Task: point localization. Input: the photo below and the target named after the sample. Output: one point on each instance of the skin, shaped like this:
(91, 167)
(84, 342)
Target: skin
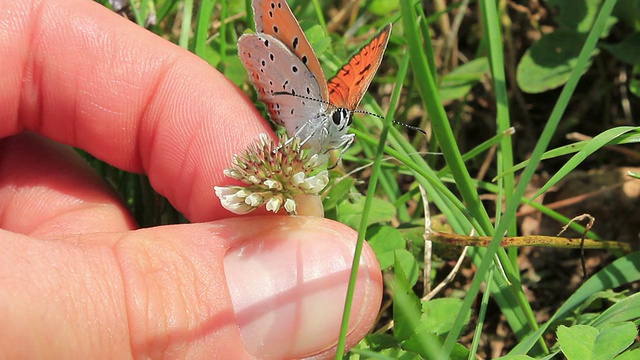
(78, 279)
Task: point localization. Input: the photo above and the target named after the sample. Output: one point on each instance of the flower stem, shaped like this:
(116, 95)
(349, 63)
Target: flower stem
(531, 240)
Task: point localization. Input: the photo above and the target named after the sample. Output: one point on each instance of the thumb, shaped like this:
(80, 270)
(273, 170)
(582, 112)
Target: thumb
(267, 287)
(289, 285)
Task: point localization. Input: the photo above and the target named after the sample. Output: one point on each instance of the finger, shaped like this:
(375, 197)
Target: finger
(48, 191)
(268, 287)
(81, 75)
(289, 287)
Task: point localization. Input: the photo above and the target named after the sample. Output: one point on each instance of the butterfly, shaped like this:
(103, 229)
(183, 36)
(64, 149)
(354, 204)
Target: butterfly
(289, 79)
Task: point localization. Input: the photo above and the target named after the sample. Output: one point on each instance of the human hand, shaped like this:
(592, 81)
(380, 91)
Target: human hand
(77, 280)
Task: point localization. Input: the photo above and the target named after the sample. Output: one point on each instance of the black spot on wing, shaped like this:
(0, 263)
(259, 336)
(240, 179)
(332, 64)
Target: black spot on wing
(366, 69)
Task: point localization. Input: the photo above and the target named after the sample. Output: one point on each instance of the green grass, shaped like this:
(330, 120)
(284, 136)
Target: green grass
(409, 84)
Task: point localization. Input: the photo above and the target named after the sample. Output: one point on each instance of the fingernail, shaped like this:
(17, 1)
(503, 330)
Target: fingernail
(288, 287)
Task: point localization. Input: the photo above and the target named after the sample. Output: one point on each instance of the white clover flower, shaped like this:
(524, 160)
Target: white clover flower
(318, 160)
(298, 179)
(254, 200)
(316, 183)
(231, 201)
(274, 204)
(290, 206)
(275, 174)
(272, 184)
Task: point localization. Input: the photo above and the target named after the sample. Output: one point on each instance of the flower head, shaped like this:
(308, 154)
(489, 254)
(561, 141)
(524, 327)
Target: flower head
(275, 174)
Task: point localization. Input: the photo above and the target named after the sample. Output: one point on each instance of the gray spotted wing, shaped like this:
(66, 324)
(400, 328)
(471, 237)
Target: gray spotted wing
(278, 75)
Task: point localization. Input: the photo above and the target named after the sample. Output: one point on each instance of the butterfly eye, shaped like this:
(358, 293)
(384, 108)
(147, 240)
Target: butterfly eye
(336, 117)
(341, 118)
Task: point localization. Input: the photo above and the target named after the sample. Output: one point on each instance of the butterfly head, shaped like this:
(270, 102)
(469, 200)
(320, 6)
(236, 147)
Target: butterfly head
(341, 118)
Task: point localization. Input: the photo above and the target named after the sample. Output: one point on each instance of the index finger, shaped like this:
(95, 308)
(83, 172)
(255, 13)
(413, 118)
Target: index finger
(79, 74)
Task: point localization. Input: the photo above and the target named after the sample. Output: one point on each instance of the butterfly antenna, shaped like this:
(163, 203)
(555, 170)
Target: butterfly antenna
(410, 127)
(368, 113)
(393, 121)
(303, 97)
(353, 111)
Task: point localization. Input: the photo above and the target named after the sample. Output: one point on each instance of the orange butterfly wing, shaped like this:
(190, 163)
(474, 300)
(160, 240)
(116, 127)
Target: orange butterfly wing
(288, 30)
(347, 88)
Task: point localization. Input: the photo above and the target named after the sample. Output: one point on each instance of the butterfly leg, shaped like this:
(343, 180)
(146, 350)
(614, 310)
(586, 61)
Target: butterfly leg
(304, 141)
(297, 135)
(305, 136)
(281, 145)
(347, 140)
(289, 142)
